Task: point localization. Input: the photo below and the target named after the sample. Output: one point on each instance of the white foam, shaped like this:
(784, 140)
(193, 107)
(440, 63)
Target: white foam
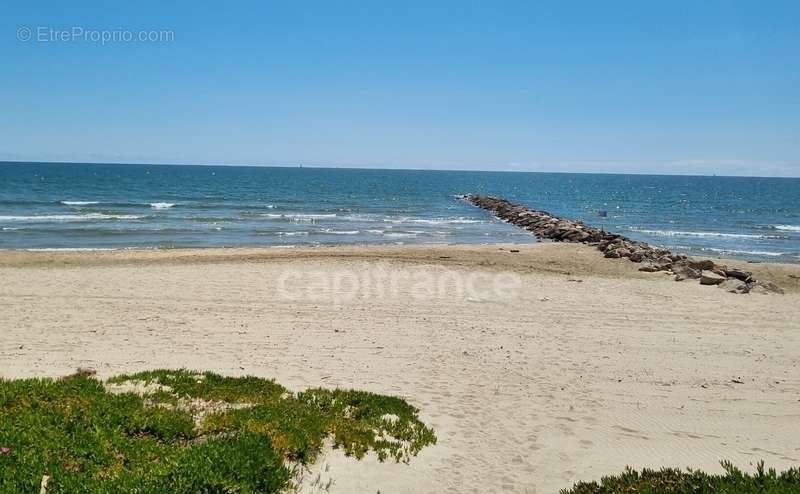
(71, 249)
(341, 232)
(78, 203)
(362, 217)
(399, 235)
(300, 216)
(434, 221)
(161, 205)
(746, 252)
(48, 218)
(673, 233)
(292, 234)
(787, 228)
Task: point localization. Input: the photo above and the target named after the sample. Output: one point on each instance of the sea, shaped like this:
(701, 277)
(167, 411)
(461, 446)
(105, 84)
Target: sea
(78, 206)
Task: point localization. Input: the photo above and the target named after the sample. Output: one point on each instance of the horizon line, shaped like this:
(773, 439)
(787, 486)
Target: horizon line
(388, 168)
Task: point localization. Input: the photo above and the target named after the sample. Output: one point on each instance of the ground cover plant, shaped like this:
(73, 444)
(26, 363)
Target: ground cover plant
(181, 431)
(673, 481)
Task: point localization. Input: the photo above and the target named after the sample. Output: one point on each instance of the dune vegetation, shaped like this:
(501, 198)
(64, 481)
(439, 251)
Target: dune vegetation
(182, 431)
(674, 481)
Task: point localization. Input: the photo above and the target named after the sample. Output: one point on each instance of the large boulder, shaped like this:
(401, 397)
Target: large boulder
(664, 261)
(637, 256)
(684, 271)
(720, 271)
(739, 274)
(702, 264)
(733, 285)
(711, 278)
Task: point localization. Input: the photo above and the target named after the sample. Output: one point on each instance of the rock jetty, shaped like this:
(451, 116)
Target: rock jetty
(653, 259)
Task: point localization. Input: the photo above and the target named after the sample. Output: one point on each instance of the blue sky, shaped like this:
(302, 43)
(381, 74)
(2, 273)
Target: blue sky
(645, 87)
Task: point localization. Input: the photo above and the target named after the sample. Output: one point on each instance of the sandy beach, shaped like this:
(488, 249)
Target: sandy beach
(536, 365)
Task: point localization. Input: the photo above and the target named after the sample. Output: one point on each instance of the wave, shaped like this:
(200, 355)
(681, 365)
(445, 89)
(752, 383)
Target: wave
(745, 252)
(71, 249)
(299, 217)
(341, 232)
(673, 233)
(787, 228)
(153, 205)
(434, 221)
(49, 218)
(79, 203)
(302, 215)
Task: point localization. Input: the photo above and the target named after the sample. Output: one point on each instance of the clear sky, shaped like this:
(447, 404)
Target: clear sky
(698, 87)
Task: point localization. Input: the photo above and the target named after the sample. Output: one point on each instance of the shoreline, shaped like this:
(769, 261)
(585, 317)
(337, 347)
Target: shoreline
(534, 241)
(528, 387)
(542, 256)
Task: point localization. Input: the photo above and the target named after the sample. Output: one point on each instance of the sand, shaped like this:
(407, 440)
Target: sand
(536, 368)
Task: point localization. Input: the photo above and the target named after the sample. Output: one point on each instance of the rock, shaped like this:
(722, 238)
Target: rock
(764, 287)
(711, 278)
(685, 271)
(739, 274)
(702, 264)
(664, 261)
(581, 236)
(746, 287)
(548, 226)
(732, 285)
(637, 256)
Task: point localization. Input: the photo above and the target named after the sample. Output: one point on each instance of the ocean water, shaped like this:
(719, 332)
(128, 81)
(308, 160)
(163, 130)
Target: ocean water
(98, 206)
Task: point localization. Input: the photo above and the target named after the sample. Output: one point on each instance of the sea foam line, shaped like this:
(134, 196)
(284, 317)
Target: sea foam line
(70, 217)
(746, 252)
(674, 233)
(79, 203)
(300, 216)
(787, 228)
(72, 249)
(434, 221)
(154, 205)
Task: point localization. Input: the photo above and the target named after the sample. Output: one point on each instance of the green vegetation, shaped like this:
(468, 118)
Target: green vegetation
(186, 432)
(672, 481)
